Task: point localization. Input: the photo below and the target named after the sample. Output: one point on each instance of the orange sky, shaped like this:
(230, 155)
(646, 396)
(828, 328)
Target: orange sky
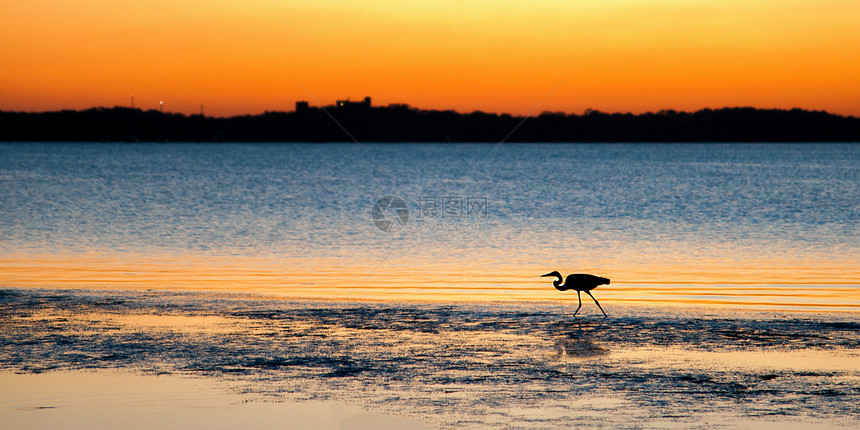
(496, 56)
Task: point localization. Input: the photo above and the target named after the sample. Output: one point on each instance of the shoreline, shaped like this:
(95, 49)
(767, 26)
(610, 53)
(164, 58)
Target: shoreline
(562, 299)
(372, 124)
(106, 399)
(119, 359)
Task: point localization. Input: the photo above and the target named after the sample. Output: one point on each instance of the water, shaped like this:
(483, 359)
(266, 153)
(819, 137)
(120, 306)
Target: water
(735, 272)
(738, 224)
(450, 364)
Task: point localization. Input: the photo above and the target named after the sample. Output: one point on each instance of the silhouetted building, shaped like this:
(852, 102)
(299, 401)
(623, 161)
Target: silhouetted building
(354, 105)
(301, 106)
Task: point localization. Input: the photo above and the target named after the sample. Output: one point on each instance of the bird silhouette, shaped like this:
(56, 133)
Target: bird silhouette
(579, 282)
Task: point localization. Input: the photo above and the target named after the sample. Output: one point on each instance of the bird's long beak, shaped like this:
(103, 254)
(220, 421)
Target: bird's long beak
(548, 274)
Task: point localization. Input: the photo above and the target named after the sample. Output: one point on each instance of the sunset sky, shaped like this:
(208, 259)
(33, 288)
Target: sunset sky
(496, 56)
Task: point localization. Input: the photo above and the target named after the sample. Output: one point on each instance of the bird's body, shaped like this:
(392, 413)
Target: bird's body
(579, 282)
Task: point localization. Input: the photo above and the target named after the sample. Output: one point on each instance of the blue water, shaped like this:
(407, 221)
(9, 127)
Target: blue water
(713, 225)
(641, 214)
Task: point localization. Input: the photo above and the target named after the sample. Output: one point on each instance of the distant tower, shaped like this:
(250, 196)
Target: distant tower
(161, 106)
(367, 102)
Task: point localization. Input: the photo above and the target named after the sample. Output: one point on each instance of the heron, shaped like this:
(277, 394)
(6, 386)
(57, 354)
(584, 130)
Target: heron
(579, 282)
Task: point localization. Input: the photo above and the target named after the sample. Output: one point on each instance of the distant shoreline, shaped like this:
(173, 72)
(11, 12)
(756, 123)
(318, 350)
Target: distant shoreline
(401, 123)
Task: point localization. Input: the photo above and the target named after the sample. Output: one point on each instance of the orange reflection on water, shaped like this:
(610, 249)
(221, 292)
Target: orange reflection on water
(771, 360)
(810, 286)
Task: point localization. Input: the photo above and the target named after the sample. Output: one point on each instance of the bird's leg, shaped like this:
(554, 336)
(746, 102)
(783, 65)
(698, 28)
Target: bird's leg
(595, 301)
(580, 302)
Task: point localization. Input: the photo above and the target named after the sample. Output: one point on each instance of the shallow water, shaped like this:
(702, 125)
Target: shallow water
(459, 365)
(750, 225)
(111, 399)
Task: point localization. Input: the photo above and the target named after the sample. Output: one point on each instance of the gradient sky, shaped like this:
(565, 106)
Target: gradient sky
(496, 56)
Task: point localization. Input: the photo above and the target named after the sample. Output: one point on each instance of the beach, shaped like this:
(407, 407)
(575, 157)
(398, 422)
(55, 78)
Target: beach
(115, 399)
(104, 359)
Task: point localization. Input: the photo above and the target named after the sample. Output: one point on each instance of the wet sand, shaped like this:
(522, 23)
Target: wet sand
(160, 359)
(107, 400)
(124, 400)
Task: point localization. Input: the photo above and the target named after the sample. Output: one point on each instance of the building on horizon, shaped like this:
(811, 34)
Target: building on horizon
(348, 104)
(301, 106)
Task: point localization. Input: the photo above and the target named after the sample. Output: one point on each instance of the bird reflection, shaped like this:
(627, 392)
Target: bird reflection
(579, 343)
(579, 348)
(579, 282)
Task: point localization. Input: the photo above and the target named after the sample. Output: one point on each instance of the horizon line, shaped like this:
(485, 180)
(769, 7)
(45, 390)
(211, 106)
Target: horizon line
(586, 112)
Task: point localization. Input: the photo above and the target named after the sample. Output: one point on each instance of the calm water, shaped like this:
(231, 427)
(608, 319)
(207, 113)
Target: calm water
(748, 226)
(721, 224)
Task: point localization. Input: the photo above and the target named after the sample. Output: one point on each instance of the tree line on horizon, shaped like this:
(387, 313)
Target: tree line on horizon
(402, 123)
